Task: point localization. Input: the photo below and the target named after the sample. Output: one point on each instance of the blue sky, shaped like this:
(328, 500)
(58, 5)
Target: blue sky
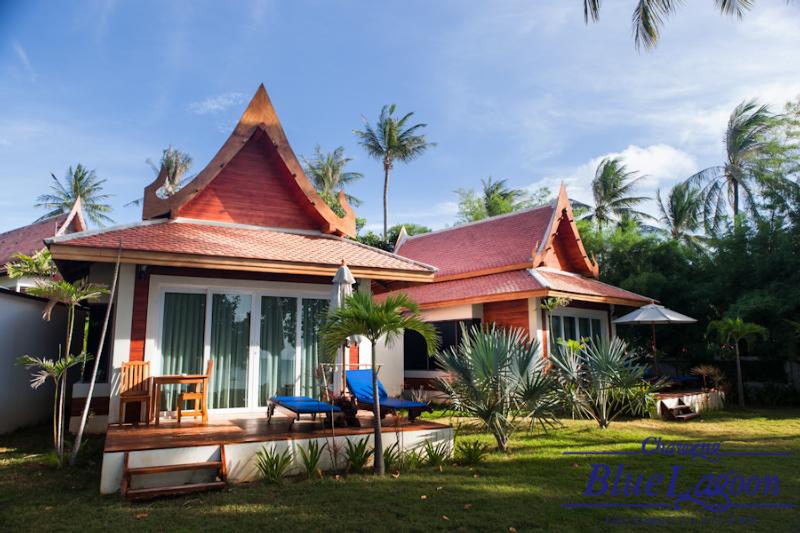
(521, 90)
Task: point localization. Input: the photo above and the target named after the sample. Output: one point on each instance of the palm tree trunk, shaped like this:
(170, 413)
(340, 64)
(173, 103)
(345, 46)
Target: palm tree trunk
(387, 167)
(376, 412)
(735, 201)
(739, 381)
(85, 415)
(62, 394)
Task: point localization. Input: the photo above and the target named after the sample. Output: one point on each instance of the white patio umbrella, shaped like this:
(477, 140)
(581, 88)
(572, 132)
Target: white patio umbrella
(342, 289)
(654, 314)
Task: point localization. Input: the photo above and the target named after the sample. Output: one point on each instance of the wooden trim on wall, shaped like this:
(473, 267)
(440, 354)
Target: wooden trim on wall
(533, 294)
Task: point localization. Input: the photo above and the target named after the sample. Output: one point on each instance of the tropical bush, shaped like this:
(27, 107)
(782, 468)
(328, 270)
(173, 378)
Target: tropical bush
(498, 375)
(392, 457)
(273, 465)
(357, 454)
(471, 452)
(436, 454)
(600, 379)
(310, 457)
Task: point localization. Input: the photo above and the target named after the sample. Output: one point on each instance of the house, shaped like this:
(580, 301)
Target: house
(236, 266)
(500, 270)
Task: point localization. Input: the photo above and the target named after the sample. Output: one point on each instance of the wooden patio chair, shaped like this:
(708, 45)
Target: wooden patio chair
(135, 387)
(199, 396)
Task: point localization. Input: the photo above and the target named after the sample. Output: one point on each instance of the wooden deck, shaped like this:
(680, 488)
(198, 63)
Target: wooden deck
(240, 429)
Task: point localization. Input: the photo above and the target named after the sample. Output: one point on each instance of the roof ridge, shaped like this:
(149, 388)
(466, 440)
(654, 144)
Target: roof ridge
(483, 221)
(98, 231)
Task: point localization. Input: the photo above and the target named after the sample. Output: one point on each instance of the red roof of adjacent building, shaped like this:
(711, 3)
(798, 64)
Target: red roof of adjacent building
(28, 239)
(488, 244)
(215, 240)
(537, 252)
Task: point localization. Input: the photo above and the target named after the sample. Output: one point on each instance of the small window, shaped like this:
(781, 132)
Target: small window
(415, 353)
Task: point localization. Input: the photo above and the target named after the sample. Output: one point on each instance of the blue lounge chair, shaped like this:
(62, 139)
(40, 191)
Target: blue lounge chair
(360, 384)
(302, 405)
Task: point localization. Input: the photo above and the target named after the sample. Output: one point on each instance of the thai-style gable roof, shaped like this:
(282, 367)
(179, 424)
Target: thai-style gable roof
(255, 178)
(533, 253)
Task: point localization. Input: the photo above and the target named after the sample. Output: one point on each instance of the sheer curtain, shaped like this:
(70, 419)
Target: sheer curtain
(277, 350)
(314, 313)
(181, 339)
(230, 342)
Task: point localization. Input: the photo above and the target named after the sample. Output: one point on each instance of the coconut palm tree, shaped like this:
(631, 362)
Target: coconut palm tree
(361, 315)
(649, 16)
(326, 170)
(390, 140)
(747, 145)
(82, 183)
(496, 198)
(681, 212)
(611, 188)
(177, 163)
(734, 331)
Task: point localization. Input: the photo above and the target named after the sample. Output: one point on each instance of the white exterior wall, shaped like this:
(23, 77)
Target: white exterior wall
(120, 352)
(24, 332)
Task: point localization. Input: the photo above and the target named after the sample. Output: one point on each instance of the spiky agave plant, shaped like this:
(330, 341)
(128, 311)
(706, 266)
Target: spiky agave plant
(600, 379)
(496, 376)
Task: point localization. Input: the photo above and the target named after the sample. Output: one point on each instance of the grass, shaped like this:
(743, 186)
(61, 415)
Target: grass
(522, 490)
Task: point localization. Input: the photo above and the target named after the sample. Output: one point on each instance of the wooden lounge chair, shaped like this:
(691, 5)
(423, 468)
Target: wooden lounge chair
(359, 382)
(134, 387)
(199, 396)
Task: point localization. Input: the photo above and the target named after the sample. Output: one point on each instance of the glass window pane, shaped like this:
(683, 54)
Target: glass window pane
(583, 328)
(182, 333)
(230, 345)
(277, 351)
(555, 331)
(570, 331)
(597, 329)
(314, 313)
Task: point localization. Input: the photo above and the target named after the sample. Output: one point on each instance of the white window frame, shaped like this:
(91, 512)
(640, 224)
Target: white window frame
(160, 285)
(577, 312)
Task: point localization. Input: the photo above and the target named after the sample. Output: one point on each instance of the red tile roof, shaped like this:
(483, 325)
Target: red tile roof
(507, 284)
(225, 241)
(28, 239)
(492, 243)
(464, 289)
(574, 283)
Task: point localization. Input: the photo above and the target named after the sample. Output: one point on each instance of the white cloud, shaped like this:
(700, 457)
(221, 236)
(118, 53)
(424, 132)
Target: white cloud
(22, 55)
(660, 166)
(217, 104)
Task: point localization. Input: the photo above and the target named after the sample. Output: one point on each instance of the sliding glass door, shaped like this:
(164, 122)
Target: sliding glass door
(182, 338)
(230, 347)
(277, 347)
(262, 345)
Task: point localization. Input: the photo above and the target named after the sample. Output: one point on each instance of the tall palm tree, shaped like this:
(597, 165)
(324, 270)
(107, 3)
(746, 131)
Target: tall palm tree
(495, 198)
(611, 188)
(649, 16)
(82, 183)
(361, 315)
(390, 140)
(326, 170)
(734, 331)
(681, 212)
(747, 145)
(177, 164)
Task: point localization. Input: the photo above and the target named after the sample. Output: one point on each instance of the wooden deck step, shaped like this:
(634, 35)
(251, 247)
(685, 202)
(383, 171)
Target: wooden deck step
(144, 470)
(173, 490)
(686, 416)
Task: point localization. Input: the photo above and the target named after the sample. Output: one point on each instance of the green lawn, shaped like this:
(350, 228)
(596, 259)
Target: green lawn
(523, 490)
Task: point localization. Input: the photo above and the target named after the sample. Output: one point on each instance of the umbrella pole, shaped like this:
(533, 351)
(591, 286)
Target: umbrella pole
(655, 354)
